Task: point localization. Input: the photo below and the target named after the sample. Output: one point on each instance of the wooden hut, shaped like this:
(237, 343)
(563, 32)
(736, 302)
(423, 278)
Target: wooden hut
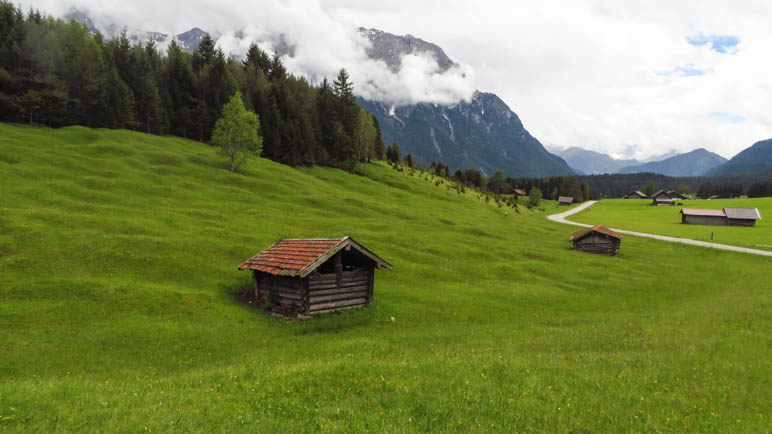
(518, 192)
(742, 216)
(563, 200)
(676, 195)
(635, 195)
(721, 217)
(661, 198)
(598, 239)
(315, 275)
(714, 217)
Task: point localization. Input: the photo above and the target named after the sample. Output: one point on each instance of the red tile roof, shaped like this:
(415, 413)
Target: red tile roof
(597, 228)
(703, 212)
(290, 257)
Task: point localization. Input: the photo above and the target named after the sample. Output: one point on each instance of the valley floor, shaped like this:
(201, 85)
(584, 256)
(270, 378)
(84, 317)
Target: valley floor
(118, 256)
(561, 218)
(639, 215)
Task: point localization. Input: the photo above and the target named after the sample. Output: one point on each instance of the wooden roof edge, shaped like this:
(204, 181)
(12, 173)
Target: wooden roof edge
(346, 241)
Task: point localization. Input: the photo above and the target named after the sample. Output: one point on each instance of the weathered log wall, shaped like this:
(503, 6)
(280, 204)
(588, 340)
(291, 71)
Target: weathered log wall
(324, 293)
(598, 244)
(283, 290)
(704, 220)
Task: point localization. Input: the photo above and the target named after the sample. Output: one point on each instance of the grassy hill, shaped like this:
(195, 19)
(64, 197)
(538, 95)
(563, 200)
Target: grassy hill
(640, 216)
(118, 256)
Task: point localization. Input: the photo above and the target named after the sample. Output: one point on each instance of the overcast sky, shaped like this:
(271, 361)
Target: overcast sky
(629, 78)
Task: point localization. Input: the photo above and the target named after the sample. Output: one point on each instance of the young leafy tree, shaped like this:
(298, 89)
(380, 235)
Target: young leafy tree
(236, 132)
(534, 196)
(364, 138)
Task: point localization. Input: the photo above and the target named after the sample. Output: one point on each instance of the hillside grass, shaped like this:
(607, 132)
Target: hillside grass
(118, 264)
(638, 215)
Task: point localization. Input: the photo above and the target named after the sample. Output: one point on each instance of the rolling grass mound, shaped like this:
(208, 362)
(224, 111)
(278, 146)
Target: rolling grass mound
(118, 257)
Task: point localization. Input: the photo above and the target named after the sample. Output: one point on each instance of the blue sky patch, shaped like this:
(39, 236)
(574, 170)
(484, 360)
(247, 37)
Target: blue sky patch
(719, 43)
(729, 118)
(689, 71)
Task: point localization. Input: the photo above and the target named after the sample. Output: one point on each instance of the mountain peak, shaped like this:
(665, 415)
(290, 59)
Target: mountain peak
(391, 48)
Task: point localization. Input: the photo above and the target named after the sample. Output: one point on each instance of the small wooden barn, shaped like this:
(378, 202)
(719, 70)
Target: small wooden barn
(677, 196)
(315, 275)
(635, 195)
(563, 200)
(742, 216)
(721, 217)
(518, 192)
(661, 198)
(597, 239)
(714, 217)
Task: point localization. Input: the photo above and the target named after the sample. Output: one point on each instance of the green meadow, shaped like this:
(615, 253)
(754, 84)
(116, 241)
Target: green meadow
(118, 265)
(638, 215)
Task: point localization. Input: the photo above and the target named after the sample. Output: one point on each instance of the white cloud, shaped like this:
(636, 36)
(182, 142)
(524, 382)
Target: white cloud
(600, 74)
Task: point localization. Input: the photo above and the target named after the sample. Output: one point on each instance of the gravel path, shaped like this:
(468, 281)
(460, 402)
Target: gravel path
(561, 218)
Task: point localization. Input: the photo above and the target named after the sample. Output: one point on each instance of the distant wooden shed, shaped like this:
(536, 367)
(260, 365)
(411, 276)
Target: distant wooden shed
(563, 200)
(721, 217)
(742, 216)
(714, 217)
(636, 195)
(661, 198)
(597, 239)
(677, 196)
(519, 192)
(316, 275)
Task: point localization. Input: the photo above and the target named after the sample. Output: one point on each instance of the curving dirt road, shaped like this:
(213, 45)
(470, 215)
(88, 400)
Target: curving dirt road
(561, 218)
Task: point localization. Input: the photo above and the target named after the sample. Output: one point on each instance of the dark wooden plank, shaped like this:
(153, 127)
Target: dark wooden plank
(338, 290)
(289, 295)
(306, 297)
(334, 285)
(338, 308)
(333, 277)
(338, 304)
(336, 297)
(371, 285)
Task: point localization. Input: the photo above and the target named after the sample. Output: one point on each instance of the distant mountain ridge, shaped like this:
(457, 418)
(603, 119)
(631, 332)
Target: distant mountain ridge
(188, 41)
(694, 163)
(483, 133)
(593, 163)
(756, 158)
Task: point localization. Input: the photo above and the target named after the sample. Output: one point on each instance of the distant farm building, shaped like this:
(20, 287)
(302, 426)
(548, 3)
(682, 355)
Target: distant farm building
(315, 275)
(519, 192)
(661, 198)
(598, 239)
(721, 217)
(635, 195)
(676, 195)
(562, 200)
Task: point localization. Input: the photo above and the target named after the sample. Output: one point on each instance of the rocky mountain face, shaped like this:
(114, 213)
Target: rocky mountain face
(391, 48)
(591, 162)
(482, 133)
(694, 163)
(757, 158)
(188, 41)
